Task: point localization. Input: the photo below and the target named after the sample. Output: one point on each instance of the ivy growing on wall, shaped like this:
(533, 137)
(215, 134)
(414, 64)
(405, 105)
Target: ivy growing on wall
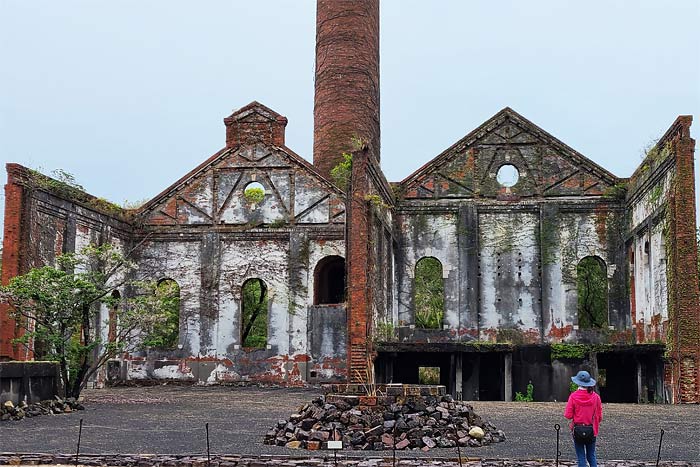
(569, 351)
(342, 172)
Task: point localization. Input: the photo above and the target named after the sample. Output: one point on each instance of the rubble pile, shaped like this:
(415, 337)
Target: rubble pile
(408, 421)
(10, 411)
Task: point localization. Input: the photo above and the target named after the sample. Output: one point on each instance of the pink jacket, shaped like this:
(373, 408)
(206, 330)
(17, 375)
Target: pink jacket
(584, 406)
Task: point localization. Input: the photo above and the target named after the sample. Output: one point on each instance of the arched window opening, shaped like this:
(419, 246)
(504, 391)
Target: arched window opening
(592, 287)
(329, 281)
(429, 294)
(166, 333)
(254, 314)
(113, 308)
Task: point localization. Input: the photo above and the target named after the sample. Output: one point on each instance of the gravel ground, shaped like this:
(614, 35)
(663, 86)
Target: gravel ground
(171, 419)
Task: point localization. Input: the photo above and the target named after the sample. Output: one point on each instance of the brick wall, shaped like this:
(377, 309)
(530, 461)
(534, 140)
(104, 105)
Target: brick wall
(346, 102)
(14, 195)
(684, 295)
(369, 205)
(255, 123)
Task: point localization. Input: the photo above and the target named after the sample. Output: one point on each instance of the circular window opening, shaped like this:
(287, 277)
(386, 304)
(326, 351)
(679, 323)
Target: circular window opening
(507, 175)
(254, 192)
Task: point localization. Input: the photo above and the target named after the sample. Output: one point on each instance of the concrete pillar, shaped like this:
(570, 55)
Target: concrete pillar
(508, 377)
(458, 376)
(639, 381)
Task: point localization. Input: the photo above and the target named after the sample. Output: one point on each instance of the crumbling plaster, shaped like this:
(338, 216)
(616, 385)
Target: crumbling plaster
(513, 255)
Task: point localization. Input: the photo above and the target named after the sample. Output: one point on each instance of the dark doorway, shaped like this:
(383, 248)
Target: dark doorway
(652, 378)
(406, 367)
(617, 377)
(491, 380)
(329, 281)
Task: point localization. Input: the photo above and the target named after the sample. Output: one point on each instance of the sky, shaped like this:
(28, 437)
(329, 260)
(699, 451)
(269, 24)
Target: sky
(128, 96)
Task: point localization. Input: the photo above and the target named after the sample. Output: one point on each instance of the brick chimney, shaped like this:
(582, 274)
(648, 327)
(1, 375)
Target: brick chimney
(255, 123)
(346, 101)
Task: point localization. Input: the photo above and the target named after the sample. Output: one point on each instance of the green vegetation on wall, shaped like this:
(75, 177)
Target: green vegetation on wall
(592, 287)
(549, 240)
(165, 335)
(254, 314)
(569, 351)
(384, 331)
(429, 375)
(254, 195)
(342, 172)
(429, 294)
(64, 185)
(616, 192)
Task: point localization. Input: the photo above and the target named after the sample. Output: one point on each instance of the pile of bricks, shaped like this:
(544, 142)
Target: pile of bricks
(403, 417)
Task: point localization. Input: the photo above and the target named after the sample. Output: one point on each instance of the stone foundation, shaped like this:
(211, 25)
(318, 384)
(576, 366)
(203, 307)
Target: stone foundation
(8, 458)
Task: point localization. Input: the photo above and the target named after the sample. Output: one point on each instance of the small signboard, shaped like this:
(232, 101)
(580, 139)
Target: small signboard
(335, 445)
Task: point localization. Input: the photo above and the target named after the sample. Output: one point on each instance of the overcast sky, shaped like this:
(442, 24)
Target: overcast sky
(130, 95)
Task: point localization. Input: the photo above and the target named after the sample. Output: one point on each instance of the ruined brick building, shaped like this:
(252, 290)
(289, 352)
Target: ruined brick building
(508, 215)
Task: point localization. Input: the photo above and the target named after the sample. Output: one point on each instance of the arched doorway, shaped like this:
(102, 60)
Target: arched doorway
(329, 281)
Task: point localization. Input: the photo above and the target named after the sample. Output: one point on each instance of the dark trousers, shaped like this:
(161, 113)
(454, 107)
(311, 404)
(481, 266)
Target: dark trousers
(586, 452)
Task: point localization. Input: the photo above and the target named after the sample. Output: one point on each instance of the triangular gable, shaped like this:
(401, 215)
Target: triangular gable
(545, 165)
(214, 192)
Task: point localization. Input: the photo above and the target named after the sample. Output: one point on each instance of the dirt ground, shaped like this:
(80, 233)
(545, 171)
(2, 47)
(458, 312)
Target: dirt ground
(171, 420)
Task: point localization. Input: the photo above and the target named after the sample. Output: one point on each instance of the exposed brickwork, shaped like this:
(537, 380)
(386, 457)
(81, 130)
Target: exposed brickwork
(255, 123)
(366, 266)
(346, 103)
(359, 294)
(14, 194)
(684, 297)
(508, 254)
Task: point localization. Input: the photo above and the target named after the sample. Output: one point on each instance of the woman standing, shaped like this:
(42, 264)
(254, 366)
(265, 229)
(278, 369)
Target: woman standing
(584, 408)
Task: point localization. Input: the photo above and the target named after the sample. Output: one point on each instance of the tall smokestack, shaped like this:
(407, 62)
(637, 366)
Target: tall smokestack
(346, 101)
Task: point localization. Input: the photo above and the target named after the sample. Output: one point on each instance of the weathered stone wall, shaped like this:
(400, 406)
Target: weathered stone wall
(28, 381)
(662, 245)
(210, 327)
(509, 253)
(209, 237)
(45, 218)
(647, 248)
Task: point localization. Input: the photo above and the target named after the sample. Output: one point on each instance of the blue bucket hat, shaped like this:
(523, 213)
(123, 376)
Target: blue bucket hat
(583, 379)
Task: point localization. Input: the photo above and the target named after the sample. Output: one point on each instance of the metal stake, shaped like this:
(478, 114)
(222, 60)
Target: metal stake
(459, 455)
(557, 427)
(393, 443)
(206, 426)
(80, 434)
(658, 456)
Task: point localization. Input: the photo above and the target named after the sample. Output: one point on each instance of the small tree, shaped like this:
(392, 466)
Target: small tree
(57, 308)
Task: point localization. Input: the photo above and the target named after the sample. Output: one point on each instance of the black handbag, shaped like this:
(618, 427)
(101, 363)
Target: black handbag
(584, 433)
